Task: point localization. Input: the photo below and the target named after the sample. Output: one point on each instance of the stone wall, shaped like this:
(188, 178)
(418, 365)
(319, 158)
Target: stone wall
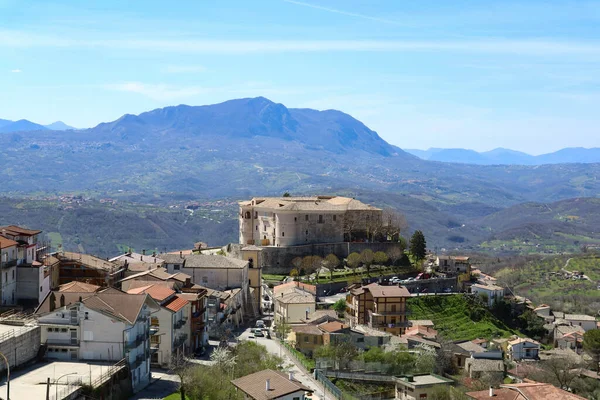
(278, 260)
(20, 345)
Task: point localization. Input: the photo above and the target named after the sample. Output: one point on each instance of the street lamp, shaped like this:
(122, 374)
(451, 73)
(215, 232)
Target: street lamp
(7, 377)
(56, 383)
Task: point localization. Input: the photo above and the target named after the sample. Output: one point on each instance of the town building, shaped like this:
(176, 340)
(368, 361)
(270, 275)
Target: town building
(271, 385)
(379, 307)
(523, 349)
(420, 386)
(8, 270)
(293, 221)
(103, 326)
(293, 306)
(453, 265)
(87, 268)
(587, 322)
(492, 371)
(492, 293)
(524, 391)
(134, 262)
(172, 322)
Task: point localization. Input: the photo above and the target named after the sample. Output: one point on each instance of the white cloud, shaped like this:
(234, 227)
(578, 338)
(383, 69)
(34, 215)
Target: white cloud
(184, 69)
(526, 47)
(16, 71)
(158, 91)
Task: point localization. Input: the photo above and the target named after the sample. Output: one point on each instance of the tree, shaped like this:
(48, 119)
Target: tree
(353, 261)
(180, 367)
(297, 263)
(367, 257)
(418, 246)
(395, 254)
(282, 330)
(331, 262)
(426, 360)
(316, 263)
(287, 194)
(394, 224)
(591, 344)
(294, 273)
(380, 258)
(561, 370)
(340, 306)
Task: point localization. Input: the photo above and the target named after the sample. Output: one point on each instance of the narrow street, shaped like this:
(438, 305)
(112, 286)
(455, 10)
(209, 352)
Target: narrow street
(275, 348)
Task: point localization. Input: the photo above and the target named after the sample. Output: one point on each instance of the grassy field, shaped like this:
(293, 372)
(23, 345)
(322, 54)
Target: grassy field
(539, 282)
(175, 396)
(457, 318)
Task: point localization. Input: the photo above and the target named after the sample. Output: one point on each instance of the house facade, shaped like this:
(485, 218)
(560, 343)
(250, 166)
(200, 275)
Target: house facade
(8, 270)
(523, 349)
(493, 293)
(293, 221)
(103, 326)
(420, 386)
(453, 265)
(379, 307)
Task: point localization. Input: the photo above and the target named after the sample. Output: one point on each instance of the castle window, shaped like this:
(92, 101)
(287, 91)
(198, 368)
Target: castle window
(282, 233)
(256, 227)
(295, 219)
(307, 233)
(247, 214)
(334, 217)
(306, 217)
(255, 214)
(320, 219)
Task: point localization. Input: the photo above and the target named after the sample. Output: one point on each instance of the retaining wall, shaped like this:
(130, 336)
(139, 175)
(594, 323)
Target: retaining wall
(20, 345)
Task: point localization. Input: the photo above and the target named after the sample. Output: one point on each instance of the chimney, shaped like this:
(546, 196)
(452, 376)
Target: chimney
(491, 391)
(181, 254)
(268, 385)
(291, 376)
(144, 252)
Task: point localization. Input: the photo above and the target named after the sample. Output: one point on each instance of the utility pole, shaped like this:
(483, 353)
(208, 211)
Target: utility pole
(48, 389)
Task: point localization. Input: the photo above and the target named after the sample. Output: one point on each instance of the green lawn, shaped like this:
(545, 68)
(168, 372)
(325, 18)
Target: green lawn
(457, 318)
(175, 396)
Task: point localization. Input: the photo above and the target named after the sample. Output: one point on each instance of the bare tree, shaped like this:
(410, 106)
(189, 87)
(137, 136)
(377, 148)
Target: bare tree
(394, 224)
(180, 366)
(395, 254)
(562, 370)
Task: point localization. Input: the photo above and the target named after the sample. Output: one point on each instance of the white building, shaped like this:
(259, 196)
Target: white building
(293, 305)
(171, 321)
(523, 349)
(420, 386)
(293, 221)
(587, 322)
(109, 325)
(8, 270)
(492, 292)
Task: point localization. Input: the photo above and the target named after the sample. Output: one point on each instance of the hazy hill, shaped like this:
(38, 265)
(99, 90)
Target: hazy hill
(508, 157)
(21, 125)
(58, 126)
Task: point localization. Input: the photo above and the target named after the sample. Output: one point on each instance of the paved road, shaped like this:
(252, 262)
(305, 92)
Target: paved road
(274, 347)
(163, 385)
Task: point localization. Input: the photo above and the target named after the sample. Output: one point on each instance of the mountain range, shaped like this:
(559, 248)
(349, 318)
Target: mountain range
(255, 147)
(23, 125)
(501, 156)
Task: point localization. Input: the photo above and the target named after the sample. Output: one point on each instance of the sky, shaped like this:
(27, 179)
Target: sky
(480, 74)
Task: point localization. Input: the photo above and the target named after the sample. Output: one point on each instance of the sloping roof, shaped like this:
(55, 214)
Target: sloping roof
(254, 385)
(483, 365)
(378, 290)
(213, 261)
(579, 317)
(471, 347)
(15, 230)
(421, 322)
(172, 258)
(138, 258)
(314, 203)
(79, 287)
(296, 297)
(487, 287)
(6, 242)
(176, 303)
(292, 286)
(499, 394)
(423, 331)
(322, 314)
(333, 326)
(522, 340)
(117, 304)
(541, 391)
(308, 329)
(157, 292)
(87, 260)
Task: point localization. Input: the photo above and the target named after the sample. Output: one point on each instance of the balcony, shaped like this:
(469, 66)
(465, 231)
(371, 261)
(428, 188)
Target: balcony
(153, 348)
(63, 342)
(154, 329)
(179, 324)
(8, 264)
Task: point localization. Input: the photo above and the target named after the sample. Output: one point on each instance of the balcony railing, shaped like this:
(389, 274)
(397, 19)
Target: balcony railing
(154, 329)
(153, 348)
(8, 264)
(62, 342)
(179, 324)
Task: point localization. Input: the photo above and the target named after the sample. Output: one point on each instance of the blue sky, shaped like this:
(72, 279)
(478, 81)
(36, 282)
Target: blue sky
(473, 74)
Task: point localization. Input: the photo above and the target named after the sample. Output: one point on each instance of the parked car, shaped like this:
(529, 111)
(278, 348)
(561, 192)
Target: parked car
(258, 333)
(260, 323)
(448, 290)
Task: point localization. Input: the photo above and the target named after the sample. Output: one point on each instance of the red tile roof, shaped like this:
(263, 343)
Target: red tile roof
(157, 292)
(6, 242)
(176, 303)
(333, 326)
(18, 231)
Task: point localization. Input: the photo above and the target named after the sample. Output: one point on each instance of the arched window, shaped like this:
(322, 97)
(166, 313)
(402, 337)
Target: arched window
(247, 215)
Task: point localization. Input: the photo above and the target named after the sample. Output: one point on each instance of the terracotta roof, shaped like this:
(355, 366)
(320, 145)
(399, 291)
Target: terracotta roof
(297, 297)
(6, 242)
(176, 303)
(79, 287)
(157, 292)
(322, 315)
(18, 231)
(333, 326)
(292, 286)
(424, 331)
(378, 290)
(499, 394)
(254, 385)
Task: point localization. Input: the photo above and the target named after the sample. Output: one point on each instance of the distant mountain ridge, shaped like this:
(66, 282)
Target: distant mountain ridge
(502, 156)
(23, 125)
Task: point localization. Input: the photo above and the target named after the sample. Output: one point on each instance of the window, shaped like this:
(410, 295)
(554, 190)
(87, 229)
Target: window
(5, 276)
(13, 273)
(282, 233)
(49, 329)
(295, 219)
(320, 219)
(306, 217)
(256, 227)
(307, 232)
(305, 339)
(265, 228)
(335, 217)
(256, 214)
(176, 267)
(315, 340)
(360, 340)
(63, 330)
(205, 279)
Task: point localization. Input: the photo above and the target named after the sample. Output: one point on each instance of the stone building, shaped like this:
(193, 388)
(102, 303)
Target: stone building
(294, 221)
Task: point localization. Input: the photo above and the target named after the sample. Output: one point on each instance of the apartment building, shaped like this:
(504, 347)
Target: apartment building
(379, 307)
(8, 270)
(293, 221)
(171, 321)
(106, 326)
